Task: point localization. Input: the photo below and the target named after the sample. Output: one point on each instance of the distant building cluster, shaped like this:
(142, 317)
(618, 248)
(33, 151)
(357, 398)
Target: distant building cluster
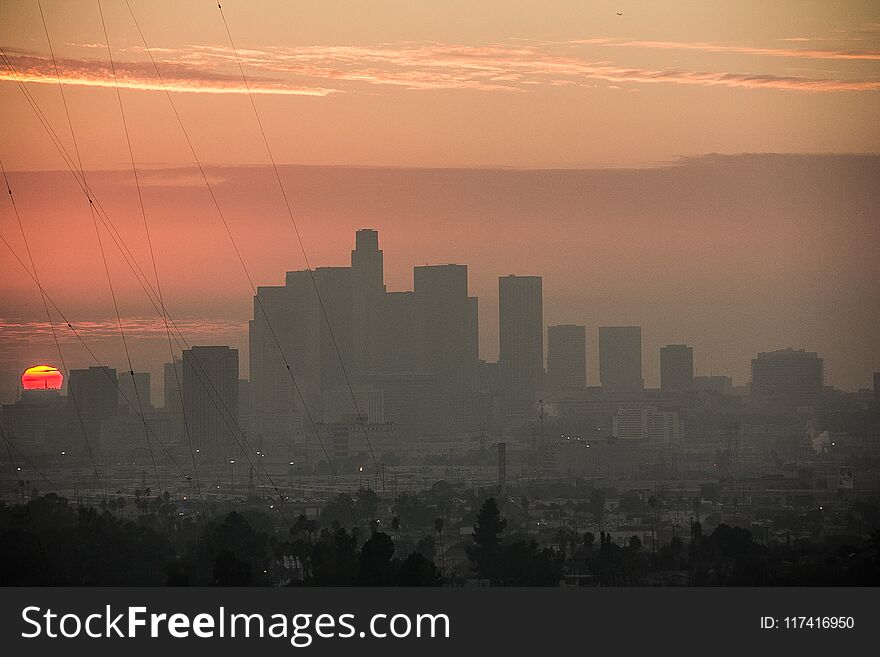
(340, 366)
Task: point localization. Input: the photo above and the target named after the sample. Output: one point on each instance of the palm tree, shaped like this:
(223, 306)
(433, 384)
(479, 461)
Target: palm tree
(652, 501)
(395, 526)
(438, 526)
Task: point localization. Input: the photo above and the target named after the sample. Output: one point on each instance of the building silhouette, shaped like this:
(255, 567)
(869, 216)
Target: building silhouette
(647, 424)
(718, 383)
(134, 392)
(367, 291)
(521, 337)
(416, 352)
(787, 376)
(92, 397)
(676, 368)
(567, 356)
(474, 339)
(35, 420)
(172, 376)
(442, 323)
(620, 358)
(210, 398)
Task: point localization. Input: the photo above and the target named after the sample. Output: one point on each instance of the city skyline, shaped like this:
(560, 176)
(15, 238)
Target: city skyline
(520, 316)
(393, 294)
(741, 127)
(102, 335)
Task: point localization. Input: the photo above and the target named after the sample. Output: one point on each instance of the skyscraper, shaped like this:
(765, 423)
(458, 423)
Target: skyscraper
(676, 368)
(92, 396)
(367, 292)
(567, 356)
(521, 333)
(172, 375)
(787, 375)
(620, 358)
(134, 390)
(473, 337)
(386, 340)
(210, 397)
(275, 403)
(442, 333)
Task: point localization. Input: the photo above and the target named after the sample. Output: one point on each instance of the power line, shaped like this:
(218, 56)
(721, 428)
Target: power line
(235, 247)
(100, 246)
(35, 275)
(290, 214)
(91, 353)
(132, 263)
(149, 243)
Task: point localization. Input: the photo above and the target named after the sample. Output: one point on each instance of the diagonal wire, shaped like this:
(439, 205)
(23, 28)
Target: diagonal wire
(302, 247)
(100, 245)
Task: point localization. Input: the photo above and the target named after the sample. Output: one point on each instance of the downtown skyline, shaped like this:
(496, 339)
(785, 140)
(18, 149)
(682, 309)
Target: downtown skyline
(573, 294)
(742, 131)
(102, 336)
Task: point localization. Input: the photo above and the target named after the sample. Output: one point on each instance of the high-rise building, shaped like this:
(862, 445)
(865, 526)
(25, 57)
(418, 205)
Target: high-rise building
(567, 356)
(172, 377)
(134, 392)
(366, 405)
(787, 376)
(620, 358)
(442, 325)
(647, 424)
(336, 327)
(244, 406)
(676, 368)
(717, 383)
(210, 398)
(368, 290)
(276, 404)
(521, 333)
(92, 396)
(396, 342)
(474, 328)
(36, 420)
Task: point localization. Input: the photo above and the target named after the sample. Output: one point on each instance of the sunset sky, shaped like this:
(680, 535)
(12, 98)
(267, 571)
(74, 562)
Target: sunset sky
(604, 152)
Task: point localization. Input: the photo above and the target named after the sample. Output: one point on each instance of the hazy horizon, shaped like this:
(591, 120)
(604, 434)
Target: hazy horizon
(705, 170)
(731, 254)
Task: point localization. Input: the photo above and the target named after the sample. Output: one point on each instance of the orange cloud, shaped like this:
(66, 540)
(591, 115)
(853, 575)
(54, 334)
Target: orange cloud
(24, 331)
(137, 75)
(417, 66)
(803, 53)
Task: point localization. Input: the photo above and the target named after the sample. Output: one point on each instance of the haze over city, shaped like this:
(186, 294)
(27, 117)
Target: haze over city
(439, 294)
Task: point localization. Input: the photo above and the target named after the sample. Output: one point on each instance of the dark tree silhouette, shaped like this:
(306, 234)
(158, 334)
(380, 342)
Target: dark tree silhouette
(484, 553)
(377, 563)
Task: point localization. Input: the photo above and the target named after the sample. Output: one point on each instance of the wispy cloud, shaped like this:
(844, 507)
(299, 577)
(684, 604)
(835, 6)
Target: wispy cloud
(177, 76)
(795, 53)
(322, 70)
(35, 332)
(492, 67)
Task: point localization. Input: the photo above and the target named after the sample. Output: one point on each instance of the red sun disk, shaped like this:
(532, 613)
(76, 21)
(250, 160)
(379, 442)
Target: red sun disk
(42, 377)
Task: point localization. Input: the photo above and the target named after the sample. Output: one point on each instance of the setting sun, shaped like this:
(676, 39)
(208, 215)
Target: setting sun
(41, 377)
